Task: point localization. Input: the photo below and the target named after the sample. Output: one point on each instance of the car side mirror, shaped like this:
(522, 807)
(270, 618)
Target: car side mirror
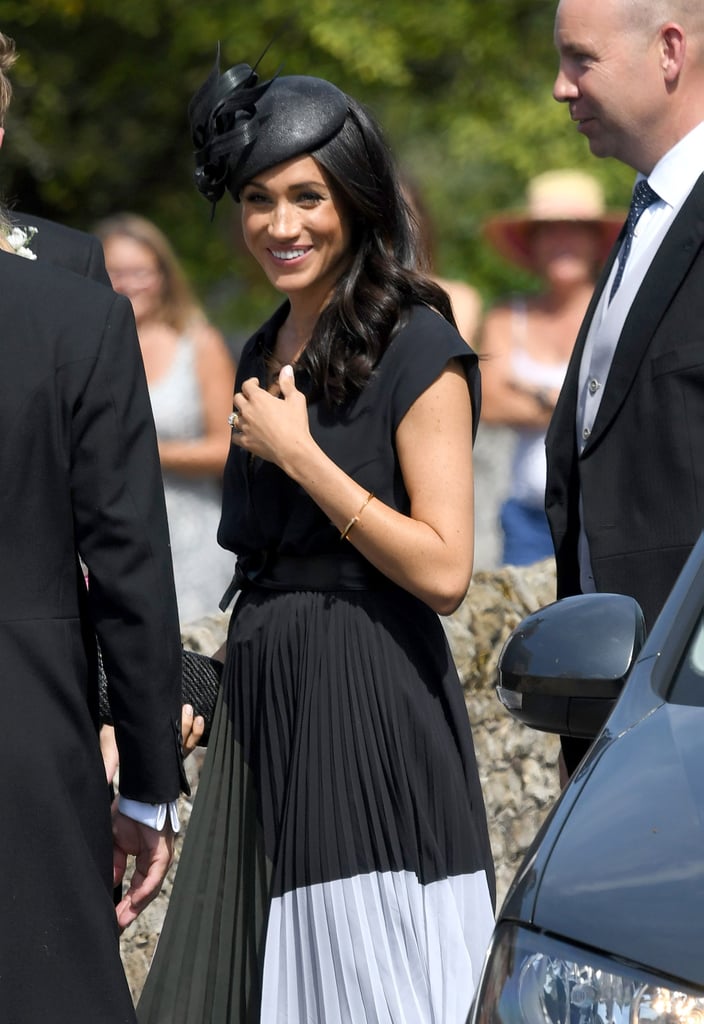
(562, 668)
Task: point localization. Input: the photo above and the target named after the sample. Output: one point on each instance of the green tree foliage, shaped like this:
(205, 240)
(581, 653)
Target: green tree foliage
(98, 123)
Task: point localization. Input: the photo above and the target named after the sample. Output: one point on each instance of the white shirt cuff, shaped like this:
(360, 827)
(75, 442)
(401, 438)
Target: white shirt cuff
(153, 815)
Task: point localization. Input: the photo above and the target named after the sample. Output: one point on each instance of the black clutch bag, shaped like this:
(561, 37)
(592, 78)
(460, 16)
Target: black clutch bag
(200, 685)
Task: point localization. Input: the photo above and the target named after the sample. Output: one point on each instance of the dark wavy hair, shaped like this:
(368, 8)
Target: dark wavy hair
(389, 269)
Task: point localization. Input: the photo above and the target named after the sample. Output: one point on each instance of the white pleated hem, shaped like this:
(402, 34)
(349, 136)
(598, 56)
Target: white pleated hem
(376, 949)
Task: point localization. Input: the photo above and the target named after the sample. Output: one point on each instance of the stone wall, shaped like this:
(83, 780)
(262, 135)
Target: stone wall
(517, 766)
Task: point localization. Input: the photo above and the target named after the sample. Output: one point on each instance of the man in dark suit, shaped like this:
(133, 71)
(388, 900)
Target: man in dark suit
(49, 241)
(80, 472)
(625, 487)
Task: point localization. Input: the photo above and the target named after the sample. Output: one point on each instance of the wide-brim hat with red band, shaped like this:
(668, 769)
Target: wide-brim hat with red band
(565, 196)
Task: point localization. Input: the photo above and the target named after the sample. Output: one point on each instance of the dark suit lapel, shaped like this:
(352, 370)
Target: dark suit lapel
(673, 259)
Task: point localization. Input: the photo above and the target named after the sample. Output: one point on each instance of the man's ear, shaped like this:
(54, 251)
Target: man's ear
(2, 135)
(673, 46)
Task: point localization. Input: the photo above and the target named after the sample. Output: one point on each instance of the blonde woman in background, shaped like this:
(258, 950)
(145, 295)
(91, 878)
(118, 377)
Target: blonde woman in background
(190, 374)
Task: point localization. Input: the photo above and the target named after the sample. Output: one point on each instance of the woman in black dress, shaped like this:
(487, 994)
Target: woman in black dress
(337, 866)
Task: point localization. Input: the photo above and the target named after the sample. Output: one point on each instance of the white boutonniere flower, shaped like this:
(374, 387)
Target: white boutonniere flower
(19, 238)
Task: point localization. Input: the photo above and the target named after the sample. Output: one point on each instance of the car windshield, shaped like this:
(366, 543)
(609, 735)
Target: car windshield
(688, 682)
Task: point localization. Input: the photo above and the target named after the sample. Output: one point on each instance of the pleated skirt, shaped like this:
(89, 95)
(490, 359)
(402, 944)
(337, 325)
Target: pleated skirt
(337, 865)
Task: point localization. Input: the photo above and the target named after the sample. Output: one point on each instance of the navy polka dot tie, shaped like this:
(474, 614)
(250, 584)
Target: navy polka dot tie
(643, 197)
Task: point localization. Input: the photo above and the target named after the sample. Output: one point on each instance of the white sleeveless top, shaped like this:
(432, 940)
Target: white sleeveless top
(529, 467)
(202, 568)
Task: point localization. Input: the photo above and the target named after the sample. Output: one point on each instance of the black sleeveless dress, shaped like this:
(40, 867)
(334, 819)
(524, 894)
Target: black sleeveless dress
(337, 865)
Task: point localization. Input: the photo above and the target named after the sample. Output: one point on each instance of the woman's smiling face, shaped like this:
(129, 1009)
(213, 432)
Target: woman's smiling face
(295, 228)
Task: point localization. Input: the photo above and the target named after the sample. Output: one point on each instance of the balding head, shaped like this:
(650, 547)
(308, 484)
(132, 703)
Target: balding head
(632, 72)
(650, 15)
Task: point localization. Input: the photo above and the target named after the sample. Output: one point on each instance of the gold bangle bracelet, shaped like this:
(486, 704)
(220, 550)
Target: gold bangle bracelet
(355, 519)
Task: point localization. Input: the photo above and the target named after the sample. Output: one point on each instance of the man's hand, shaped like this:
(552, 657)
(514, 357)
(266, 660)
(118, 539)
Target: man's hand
(152, 852)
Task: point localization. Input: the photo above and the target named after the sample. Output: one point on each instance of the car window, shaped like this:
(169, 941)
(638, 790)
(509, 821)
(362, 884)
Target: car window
(688, 681)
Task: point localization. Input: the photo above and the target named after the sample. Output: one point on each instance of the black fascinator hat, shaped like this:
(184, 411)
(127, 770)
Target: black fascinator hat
(241, 127)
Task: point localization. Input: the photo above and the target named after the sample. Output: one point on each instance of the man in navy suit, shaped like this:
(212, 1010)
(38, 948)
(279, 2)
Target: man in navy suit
(47, 240)
(80, 473)
(625, 487)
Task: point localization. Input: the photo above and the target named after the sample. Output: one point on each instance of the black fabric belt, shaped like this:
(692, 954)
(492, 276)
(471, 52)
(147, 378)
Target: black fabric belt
(272, 571)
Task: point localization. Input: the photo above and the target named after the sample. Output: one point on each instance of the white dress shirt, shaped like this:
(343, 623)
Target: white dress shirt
(673, 178)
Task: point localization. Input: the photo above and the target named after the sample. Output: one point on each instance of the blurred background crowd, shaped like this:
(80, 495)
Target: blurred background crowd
(98, 126)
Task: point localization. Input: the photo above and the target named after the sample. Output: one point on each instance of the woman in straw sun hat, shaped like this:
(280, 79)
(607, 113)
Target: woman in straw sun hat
(562, 234)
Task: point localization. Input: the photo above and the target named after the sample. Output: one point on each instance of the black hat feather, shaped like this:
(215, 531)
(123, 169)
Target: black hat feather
(241, 127)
